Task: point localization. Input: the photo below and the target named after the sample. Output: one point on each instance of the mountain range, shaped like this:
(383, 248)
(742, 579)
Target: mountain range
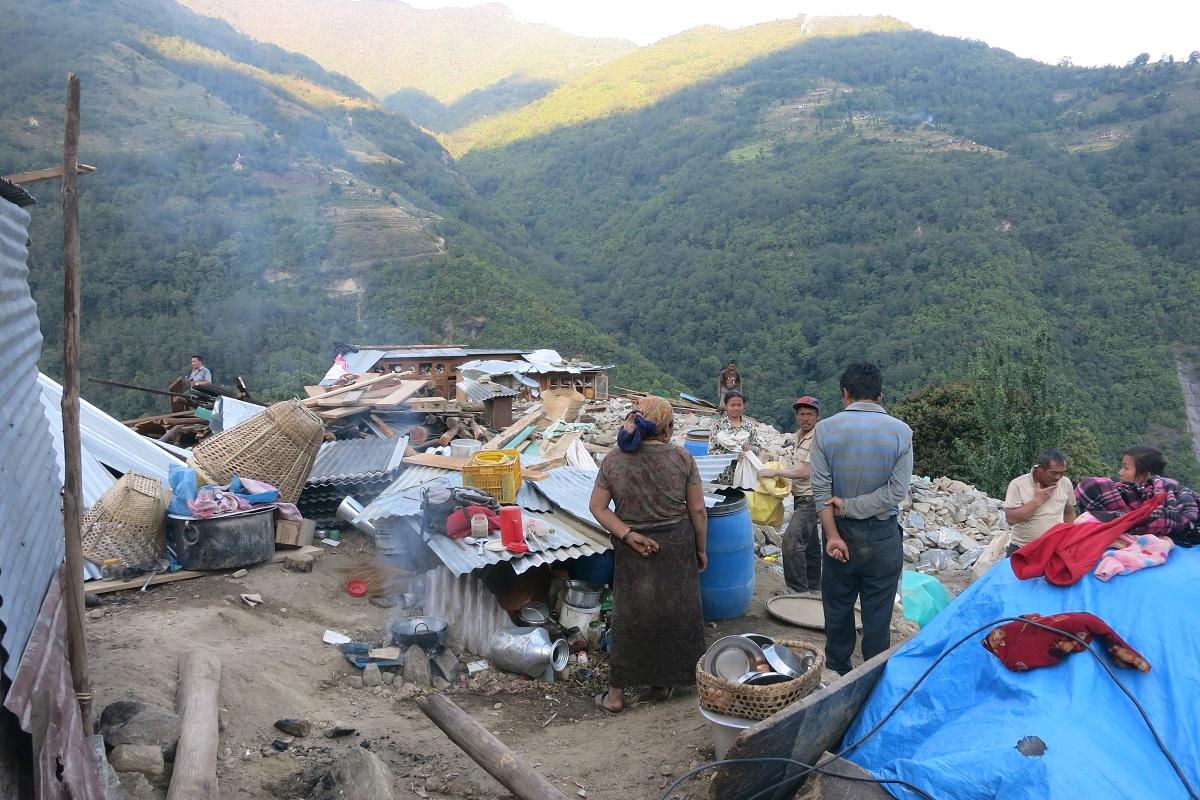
(796, 195)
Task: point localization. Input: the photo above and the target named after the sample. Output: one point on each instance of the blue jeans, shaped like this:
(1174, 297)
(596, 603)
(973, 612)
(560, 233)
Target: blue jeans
(872, 574)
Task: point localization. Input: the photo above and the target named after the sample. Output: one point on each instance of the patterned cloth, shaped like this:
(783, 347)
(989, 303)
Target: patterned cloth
(1134, 553)
(1021, 646)
(649, 486)
(1177, 516)
(1067, 552)
(728, 438)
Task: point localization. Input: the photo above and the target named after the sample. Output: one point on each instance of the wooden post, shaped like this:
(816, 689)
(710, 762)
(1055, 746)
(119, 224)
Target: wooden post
(72, 460)
(487, 751)
(195, 773)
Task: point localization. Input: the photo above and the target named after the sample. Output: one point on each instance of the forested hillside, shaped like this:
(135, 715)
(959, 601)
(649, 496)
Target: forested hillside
(899, 197)
(254, 208)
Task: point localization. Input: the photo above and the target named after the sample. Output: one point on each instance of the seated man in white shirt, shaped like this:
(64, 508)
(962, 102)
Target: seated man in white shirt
(1039, 499)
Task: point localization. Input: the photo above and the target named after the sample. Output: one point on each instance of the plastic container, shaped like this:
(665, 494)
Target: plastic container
(727, 586)
(479, 526)
(464, 448)
(497, 472)
(597, 569)
(575, 617)
(511, 526)
(695, 441)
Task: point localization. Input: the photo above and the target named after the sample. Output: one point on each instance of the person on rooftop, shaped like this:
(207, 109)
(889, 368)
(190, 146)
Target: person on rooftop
(1140, 479)
(200, 373)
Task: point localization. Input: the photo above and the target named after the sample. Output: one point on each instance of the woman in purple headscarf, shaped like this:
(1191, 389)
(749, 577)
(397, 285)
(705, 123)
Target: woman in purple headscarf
(659, 528)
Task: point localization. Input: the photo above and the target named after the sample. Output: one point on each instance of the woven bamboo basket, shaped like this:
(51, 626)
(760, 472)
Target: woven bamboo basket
(759, 702)
(278, 446)
(127, 522)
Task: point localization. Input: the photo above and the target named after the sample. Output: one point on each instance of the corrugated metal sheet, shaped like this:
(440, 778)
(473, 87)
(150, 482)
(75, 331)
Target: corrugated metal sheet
(96, 479)
(15, 194)
(31, 526)
(349, 461)
(67, 764)
(229, 412)
(568, 539)
(480, 391)
(570, 489)
(361, 361)
(470, 609)
(711, 467)
(111, 443)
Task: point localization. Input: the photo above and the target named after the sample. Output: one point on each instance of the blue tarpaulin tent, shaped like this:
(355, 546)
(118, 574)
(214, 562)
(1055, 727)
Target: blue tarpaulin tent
(957, 736)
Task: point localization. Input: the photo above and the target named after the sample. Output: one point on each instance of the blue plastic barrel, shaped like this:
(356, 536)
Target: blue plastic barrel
(695, 441)
(727, 586)
(597, 569)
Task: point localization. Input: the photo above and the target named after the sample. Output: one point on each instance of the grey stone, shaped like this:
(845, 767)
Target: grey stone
(911, 552)
(387, 677)
(133, 722)
(937, 558)
(948, 539)
(759, 538)
(297, 562)
(446, 664)
(96, 613)
(968, 558)
(359, 775)
(371, 676)
(440, 683)
(416, 668)
(774, 536)
(356, 682)
(144, 758)
(915, 520)
(771, 550)
(135, 786)
(241, 573)
(294, 727)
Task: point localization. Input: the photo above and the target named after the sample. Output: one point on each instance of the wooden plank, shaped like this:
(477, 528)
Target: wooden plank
(360, 384)
(400, 396)
(47, 174)
(332, 414)
(531, 417)
(103, 587)
(558, 448)
(802, 731)
(314, 391)
(342, 400)
(434, 405)
(596, 448)
(384, 428)
(432, 460)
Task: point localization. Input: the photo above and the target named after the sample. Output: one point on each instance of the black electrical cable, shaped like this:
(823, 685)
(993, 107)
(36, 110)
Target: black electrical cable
(818, 767)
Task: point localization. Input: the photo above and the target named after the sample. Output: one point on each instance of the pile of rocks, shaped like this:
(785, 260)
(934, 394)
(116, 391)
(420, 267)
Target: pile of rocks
(947, 524)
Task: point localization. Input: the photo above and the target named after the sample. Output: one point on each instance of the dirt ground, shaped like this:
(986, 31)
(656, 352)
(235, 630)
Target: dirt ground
(275, 666)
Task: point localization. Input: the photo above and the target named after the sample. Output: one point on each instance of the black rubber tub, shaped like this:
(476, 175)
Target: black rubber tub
(227, 542)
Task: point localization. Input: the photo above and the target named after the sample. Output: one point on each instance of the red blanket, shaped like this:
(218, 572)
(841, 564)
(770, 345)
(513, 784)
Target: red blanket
(1021, 646)
(1068, 551)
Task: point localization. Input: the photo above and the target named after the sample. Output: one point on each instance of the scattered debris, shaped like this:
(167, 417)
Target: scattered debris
(297, 562)
(359, 775)
(294, 727)
(252, 600)
(146, 759)
(134, 722)
(241, 573)
(333, 637)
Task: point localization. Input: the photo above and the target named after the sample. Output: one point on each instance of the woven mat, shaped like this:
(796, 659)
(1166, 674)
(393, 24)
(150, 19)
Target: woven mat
(803, 611)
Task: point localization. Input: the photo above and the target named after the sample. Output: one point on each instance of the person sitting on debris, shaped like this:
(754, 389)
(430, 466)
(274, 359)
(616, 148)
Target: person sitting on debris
(729, 380)
(660, 530)
(1039, 499)
(802, 538)
(1140, 479)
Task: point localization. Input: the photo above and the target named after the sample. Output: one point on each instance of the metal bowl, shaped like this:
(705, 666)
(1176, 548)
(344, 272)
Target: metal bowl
(784, 661)
(582, 594)
(764, 678)
(534, 614)
(759, 639)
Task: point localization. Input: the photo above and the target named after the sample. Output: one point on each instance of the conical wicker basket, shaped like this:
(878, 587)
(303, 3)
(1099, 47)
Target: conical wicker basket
(127, 522)
(278, 446)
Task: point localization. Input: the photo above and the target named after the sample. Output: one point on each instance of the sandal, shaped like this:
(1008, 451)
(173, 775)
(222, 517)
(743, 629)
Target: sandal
(661, 694)
(600, 698)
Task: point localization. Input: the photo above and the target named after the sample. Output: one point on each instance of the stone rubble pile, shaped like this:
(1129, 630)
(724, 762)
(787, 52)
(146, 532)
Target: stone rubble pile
(947, 524)
(777, 446)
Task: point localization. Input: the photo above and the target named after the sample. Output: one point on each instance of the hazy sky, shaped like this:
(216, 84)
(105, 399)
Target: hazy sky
(1090, 33)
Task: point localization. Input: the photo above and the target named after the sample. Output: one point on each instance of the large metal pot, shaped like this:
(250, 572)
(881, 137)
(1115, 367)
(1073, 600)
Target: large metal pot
(528, 651)
(225, 542)
(426, 632)
(582, 594)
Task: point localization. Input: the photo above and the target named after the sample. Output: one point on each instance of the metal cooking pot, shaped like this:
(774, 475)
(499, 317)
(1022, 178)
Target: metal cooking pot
(225, 542)
(423, 631)
(784, 661)
(582, 594)
(534, 614)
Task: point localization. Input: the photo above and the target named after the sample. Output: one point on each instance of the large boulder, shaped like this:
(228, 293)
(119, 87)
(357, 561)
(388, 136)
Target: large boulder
(133, 722)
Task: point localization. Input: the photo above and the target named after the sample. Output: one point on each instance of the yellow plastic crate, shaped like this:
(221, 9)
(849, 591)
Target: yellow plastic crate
(497, 472)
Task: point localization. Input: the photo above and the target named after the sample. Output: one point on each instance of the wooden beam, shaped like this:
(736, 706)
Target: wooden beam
(530, 418)
(384, 428)
(514, 772)
(535, 473)
(314, 391)
(104, 587)
(195, 774)
(47, 174)
(407, 390)
(361, 384)
(802, 731)
(72, 448)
